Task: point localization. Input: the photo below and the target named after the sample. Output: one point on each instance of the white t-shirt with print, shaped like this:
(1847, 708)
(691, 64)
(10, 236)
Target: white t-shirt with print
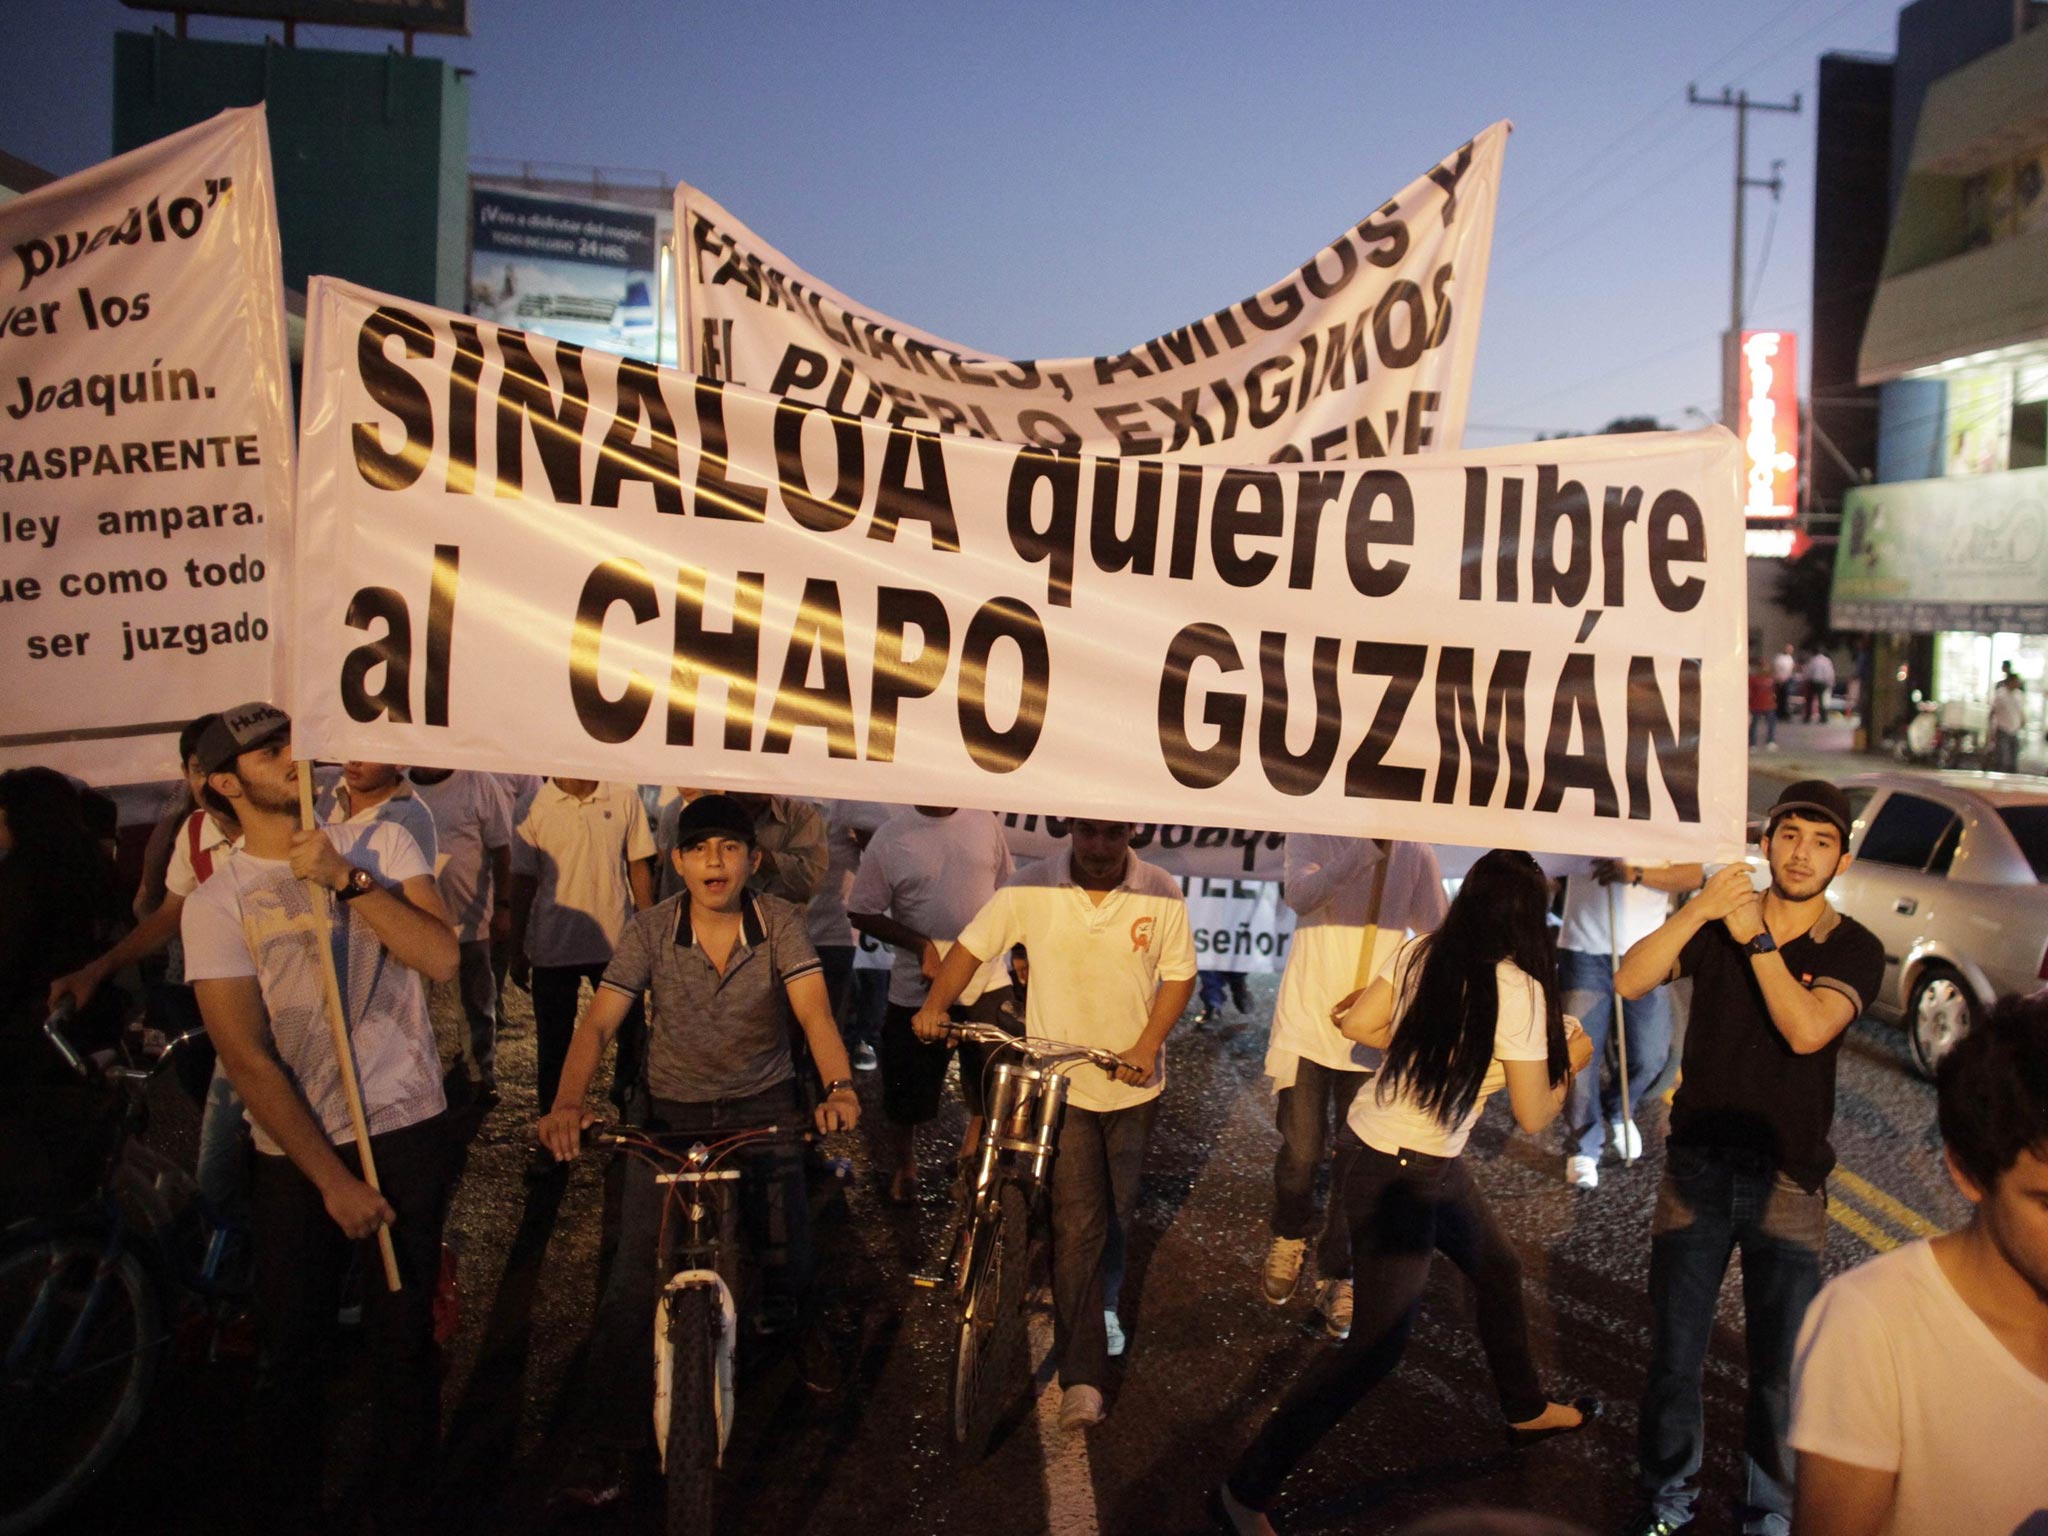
(933, 874)
(1893, 1371)
(1094, 966)
(576, 851)
(252, 918)
(1395, 1122)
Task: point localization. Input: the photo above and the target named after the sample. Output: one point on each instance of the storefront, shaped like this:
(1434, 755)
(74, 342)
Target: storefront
(1965, 561)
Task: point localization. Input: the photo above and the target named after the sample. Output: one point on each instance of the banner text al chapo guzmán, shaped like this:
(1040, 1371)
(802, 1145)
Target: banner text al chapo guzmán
(512, 552)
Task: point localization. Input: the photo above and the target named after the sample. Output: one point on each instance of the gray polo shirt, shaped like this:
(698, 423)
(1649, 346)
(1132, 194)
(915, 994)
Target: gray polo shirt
(712, 1036)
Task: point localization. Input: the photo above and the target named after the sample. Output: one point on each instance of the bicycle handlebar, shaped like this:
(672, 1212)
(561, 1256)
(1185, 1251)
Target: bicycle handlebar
(1039, 1049)
(65, 1011)
(53, 1031)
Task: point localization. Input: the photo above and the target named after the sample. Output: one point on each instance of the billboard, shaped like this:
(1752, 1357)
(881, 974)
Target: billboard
(574, 270)
(1767, 402)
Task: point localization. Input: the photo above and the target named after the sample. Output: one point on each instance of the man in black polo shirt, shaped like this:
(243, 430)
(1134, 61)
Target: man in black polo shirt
(1776, 979)
(727, 969)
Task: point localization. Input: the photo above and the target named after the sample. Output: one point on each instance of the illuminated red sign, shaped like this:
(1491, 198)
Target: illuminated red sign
(1768, 390)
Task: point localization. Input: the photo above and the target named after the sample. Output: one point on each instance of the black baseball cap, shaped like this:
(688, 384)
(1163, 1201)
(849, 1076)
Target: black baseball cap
(1814, 799)
(713, 816)
(242, 729)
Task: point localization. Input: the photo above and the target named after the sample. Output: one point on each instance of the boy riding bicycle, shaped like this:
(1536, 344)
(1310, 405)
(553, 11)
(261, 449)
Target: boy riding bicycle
(726, 967)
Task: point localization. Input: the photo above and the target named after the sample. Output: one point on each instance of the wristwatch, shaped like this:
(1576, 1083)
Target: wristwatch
(832, 1088)
(360, 883)
(1762, 944)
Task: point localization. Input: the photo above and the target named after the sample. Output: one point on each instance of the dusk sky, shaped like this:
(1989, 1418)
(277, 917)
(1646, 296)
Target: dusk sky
(1056, 180)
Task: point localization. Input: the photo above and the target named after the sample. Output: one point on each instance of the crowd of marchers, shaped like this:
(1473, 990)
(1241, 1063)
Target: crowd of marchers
(704, 944)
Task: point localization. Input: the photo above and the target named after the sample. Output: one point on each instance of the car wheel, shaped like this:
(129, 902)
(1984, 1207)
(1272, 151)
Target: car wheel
(1940, 1012)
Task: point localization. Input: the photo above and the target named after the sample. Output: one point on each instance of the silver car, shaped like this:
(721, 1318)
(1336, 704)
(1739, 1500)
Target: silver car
(1948, 874)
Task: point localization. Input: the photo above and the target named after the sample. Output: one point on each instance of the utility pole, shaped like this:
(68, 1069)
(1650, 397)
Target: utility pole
(1742, 106)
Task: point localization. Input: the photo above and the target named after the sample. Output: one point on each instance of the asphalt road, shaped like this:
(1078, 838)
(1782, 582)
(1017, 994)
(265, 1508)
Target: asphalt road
(1207, 1354)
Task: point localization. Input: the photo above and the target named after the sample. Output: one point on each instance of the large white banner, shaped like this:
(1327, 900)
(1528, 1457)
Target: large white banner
(512, 554)
(145, 450)
(1364, 352)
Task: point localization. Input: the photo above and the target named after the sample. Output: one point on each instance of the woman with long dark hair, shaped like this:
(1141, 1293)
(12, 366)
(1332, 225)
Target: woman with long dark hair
(1461, 1013)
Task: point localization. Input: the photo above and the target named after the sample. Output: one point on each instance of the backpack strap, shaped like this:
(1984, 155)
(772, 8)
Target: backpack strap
(202, 856)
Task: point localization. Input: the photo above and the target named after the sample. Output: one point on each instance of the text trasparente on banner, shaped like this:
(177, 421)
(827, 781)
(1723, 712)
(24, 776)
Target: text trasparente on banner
(1365, 351)
(145, 449)
(512, 554)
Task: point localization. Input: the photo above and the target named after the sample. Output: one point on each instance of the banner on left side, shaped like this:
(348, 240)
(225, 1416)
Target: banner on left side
(145, 450)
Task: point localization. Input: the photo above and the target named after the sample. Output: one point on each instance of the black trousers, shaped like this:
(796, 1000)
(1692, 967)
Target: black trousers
(302, 1259)
(1403, 1209)
(557, 990)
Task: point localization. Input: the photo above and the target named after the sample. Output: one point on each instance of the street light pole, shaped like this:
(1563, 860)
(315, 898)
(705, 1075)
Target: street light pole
(1739, 103)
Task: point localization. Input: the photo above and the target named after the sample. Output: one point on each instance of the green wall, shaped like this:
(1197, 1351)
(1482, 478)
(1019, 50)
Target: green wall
(370, 150)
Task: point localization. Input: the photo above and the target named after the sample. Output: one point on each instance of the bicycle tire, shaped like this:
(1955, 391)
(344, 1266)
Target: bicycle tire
(990, 1360)
(691, 1455)
(61, 1433)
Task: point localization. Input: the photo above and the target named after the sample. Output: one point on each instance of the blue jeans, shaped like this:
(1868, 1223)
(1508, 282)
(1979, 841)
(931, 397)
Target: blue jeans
(1587, 984)
(1765, 720)
(1710, 1203)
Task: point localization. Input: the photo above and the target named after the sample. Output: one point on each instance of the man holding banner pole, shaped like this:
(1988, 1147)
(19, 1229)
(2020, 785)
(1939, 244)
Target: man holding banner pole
(1356, 901)
(1608, 908)
(253, 936)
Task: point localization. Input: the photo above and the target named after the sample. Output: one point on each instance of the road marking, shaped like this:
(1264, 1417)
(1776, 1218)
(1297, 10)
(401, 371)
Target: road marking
(1879, 1239)
(1870, 1195)
(1069, 1479)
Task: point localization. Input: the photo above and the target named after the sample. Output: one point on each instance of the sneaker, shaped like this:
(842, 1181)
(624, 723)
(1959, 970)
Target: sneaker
(1770, 746)
(1283, 1268)
(1115, 1330)
(1081, 1407)
(595, 1477)
(1333, 1306)
(1582, 1172)
(1240, 994)
(864, 1058)
(1628, 1140)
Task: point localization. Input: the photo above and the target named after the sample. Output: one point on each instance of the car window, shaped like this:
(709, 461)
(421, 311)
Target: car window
(2029, 827)
(1906, 831)
(1859, 801)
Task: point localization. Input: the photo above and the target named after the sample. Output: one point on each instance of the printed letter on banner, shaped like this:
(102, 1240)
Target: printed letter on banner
(145, 452)
(514, 554)
(1364, 352)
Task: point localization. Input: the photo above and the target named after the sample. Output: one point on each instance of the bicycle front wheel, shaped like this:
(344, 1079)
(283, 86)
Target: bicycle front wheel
(990, 1361)
(77, 1356)
(691, 1456)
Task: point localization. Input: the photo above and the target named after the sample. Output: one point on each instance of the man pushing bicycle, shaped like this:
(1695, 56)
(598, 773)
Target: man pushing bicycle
(727, 968)
(1112, 966)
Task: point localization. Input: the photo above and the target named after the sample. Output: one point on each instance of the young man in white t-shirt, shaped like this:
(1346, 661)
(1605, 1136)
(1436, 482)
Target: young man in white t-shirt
(251, 935)
(1920, 1387)
(582, 863)
(1605, 896)
(379, 792)
(1112, 965)
(925, 874)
